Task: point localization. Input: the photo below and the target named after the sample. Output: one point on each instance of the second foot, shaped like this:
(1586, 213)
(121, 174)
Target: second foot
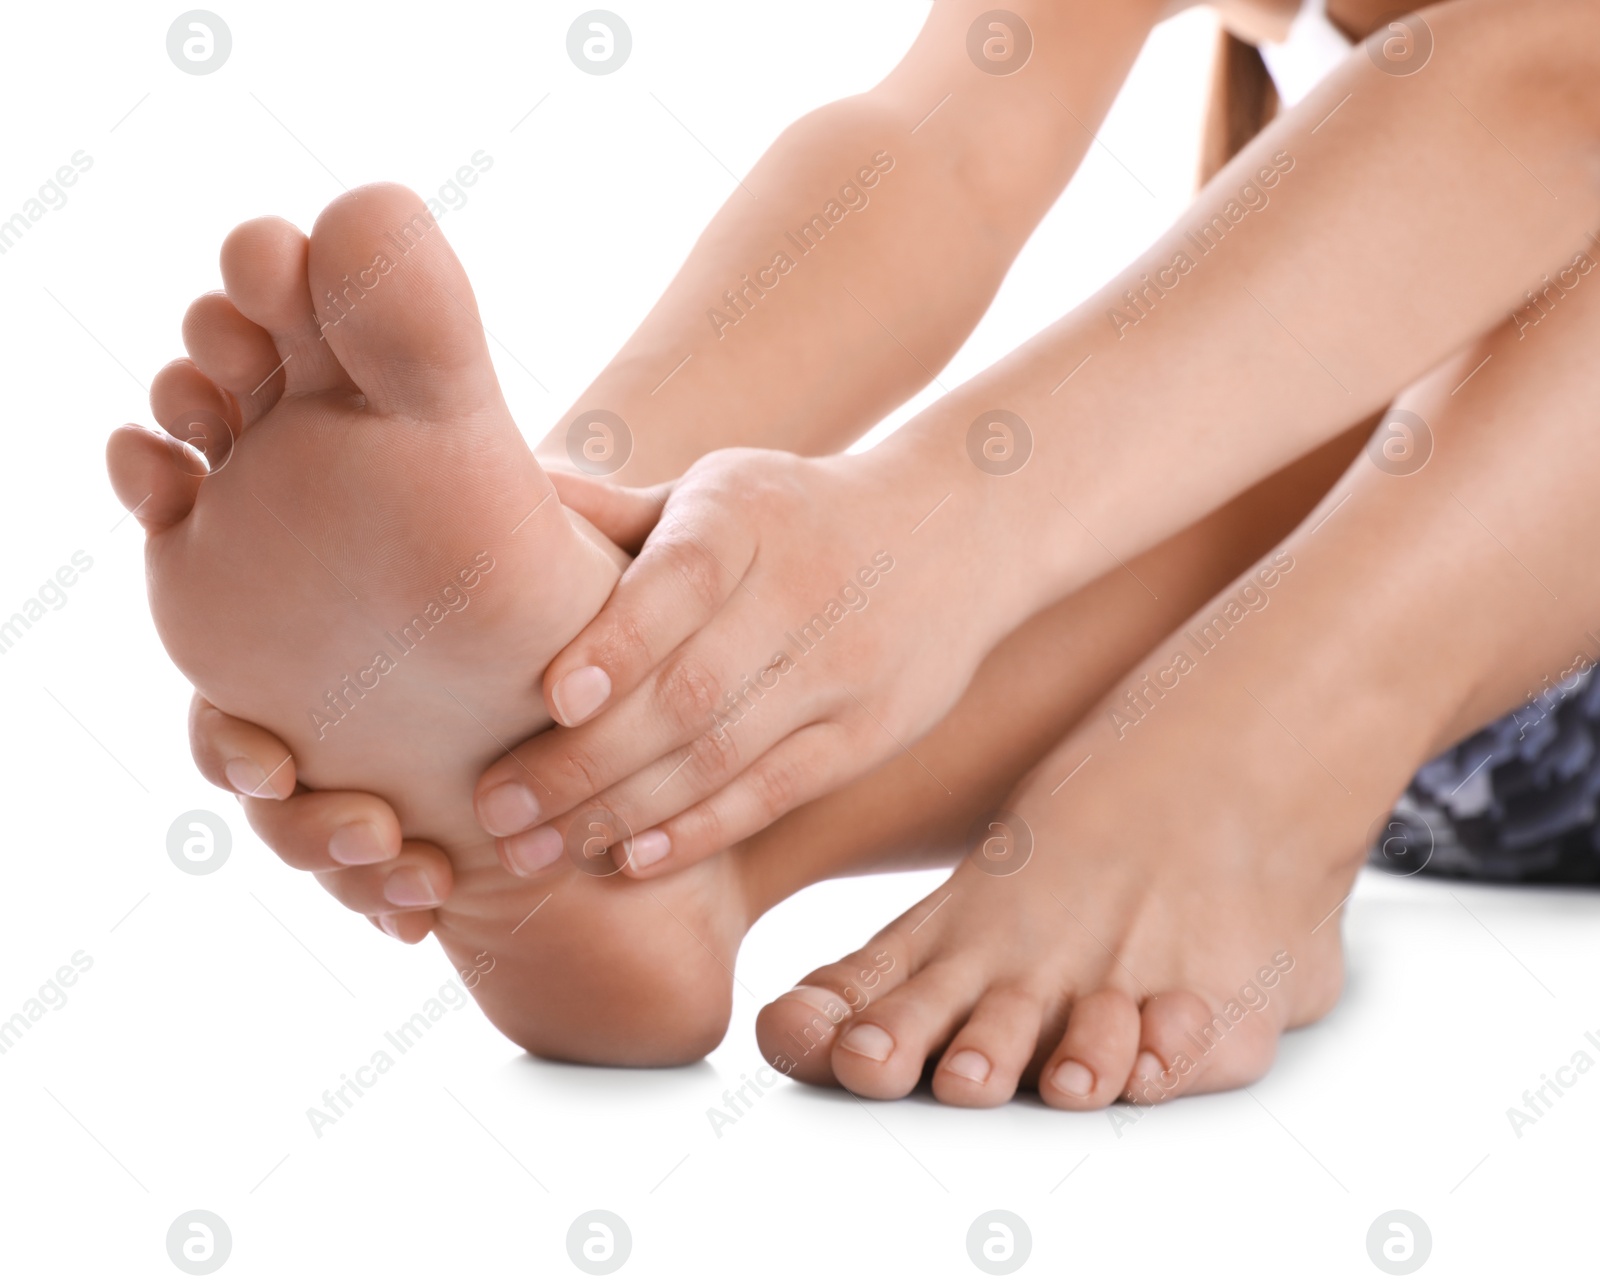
(1004, 984)
(1176, 913)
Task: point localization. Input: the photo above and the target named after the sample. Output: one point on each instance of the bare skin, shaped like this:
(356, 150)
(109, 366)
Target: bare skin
(1142, 332)
(1182, 908)
(1264, 350)
(950, 195)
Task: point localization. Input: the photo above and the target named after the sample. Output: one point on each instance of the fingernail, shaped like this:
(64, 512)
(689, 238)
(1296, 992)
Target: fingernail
(1147, 1067)
(247, 778)
(970, 1065)
(386, 923)
(580, 694)
(1073, 1079)
(532, 850)
(868, 1040)
(357, 844)
(508, 808)
(409, 886)
(648, 848)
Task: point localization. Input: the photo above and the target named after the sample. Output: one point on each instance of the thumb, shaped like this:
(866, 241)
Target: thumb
(624, 515)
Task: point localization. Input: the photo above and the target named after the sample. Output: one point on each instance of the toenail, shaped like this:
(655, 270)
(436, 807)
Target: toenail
(247, 778)
(357, 844)
(825, 1002)
(648, 847)
(508, 808)
(386, 923)
(1073, 1079)
(409, 886)
(869, 1040)
(1147, 1067)
(580, 694)
(533, 850)
(969, 1065)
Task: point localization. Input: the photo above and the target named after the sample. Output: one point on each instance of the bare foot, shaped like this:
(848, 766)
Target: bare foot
(376, 569)
(1178, 906)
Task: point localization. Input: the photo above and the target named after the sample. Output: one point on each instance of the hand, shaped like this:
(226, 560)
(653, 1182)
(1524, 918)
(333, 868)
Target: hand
(349, 840)
(788, 624)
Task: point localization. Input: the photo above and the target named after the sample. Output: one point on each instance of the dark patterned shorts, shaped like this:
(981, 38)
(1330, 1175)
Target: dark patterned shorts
(1518, 801)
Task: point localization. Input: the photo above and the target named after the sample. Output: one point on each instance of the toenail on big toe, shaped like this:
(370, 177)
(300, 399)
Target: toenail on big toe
(825, 1002)
(1073, 1079)
(969, 1065)
(409, 887)
(869, 1040)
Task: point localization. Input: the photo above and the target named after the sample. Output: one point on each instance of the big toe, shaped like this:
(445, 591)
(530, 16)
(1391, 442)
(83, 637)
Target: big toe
(1190, 1047)
(796, 1033)
(395, 305)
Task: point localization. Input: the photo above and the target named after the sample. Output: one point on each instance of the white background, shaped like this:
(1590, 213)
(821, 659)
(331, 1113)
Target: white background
(218, 1009)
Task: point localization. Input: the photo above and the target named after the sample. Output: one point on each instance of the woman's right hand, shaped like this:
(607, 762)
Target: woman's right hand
(349, 840)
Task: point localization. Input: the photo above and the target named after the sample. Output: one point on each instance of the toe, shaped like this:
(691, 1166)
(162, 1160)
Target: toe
(396, 306)
(988, 1055)
(882, 1051)
(1188, 1047)
(796, 1032)
(1090, 1066)
(264, 270)
(152, 475)
(234, 353)
(196, 412)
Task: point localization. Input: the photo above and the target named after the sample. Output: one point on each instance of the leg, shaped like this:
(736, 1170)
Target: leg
(1157, 944)
(644, 976)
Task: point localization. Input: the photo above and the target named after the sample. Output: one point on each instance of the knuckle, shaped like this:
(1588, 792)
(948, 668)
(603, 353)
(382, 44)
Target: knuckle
(696, 832)
(715, 754)
(777, 783)
(697, 574)
(585, 772)
(689, 692)
(626, 647)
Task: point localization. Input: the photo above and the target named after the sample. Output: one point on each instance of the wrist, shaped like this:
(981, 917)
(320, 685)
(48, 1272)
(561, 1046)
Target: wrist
(967, 519)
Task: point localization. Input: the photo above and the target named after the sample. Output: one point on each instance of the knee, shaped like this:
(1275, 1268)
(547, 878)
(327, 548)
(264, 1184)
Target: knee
(1538, 59)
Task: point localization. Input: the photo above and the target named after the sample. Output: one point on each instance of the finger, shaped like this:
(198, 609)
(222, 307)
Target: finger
(684, 574)
(560, 769)
(153, 476)
(624, 515)
(421, 877)
(799, 769)
(409, 927)
(238, 756)
(326, 830)
(637, 802)
(687, 776)
(195, 411)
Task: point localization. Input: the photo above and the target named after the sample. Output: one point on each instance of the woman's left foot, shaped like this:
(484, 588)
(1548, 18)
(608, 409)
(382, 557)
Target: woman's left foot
(1159, 901)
